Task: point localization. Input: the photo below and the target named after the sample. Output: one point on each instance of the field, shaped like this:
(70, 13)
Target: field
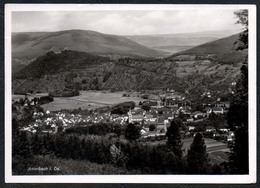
(218, 151)
(90, 100)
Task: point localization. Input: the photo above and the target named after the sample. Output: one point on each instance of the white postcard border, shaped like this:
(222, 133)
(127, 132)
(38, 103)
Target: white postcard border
(251, 178)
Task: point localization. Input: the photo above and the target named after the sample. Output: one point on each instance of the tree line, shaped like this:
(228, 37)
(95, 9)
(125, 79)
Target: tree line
(124, 150)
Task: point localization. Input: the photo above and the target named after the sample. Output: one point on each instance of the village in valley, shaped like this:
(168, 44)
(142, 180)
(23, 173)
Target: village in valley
(152, 114)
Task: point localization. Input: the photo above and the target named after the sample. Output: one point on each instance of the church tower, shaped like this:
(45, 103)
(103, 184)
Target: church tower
(130, 117)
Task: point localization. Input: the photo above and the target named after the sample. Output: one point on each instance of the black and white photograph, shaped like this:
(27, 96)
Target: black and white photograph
(130, 93)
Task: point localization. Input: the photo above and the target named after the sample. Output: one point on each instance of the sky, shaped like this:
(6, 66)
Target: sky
(129, 22)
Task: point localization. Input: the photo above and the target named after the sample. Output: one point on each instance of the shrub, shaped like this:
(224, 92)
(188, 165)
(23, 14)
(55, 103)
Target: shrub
(122, 108)
(46, 99)
(146, 107)
(65, 93)
(145, 96)
(132, 132)
(96, 129)
(152, 127)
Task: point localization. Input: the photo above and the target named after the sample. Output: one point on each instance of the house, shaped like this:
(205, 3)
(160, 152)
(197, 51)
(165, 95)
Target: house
(217, 110)
(170, 118)
(136, 118)
(150, 117)
(191, 128)
(223, 104)
(224, 130)
(167, 116)
(229, 138)
(210, 129)
(162, 126)
(197, 114)
(205, 62)
(137, 110)
(153, 103)
(170, 101)
(146, 127)
(167, 123)
(231, 133)
(190, 120)
(233, 83)
(143, 131)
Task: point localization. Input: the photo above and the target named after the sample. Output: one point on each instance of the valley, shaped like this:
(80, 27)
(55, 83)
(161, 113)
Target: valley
(121, 98)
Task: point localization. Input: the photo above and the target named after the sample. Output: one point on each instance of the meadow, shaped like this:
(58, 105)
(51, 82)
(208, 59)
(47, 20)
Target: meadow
(90, 100)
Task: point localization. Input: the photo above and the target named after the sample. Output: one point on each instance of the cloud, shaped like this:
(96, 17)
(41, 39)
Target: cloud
(131, 22)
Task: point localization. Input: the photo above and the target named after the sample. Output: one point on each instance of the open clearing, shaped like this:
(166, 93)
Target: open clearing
(218, 151)
(89, 100)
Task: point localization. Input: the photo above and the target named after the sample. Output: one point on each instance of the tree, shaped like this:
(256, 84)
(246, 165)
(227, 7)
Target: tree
(106, 76)
(237, 116)
(95, 84)
(160, 112)
(84, 81)
(197, 158)
(146, 107)
(238, 121)
(24, 145)
(152, 127)
(117, 155)
(132, 132)
(36, 144)
(242, 16)
(182, 116)
(123, 108)
(174, 142)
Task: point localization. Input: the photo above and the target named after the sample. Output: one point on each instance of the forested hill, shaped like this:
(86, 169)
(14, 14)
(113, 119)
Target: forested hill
(219, 46)
(27, 46)
(223, 51)
(72, 70)
(56, 63)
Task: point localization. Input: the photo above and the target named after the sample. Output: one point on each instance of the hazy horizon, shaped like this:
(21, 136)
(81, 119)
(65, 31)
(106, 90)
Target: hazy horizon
(128, 22)
(206, 31)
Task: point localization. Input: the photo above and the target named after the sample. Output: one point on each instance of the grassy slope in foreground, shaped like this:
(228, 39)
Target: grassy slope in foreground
(66, 167)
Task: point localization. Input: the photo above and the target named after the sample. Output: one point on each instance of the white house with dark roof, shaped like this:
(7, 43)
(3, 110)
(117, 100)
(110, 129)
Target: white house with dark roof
(217, 110)
(150, 117)
(223, 104)
(197, 114)
(137, 118)
(210, 129)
